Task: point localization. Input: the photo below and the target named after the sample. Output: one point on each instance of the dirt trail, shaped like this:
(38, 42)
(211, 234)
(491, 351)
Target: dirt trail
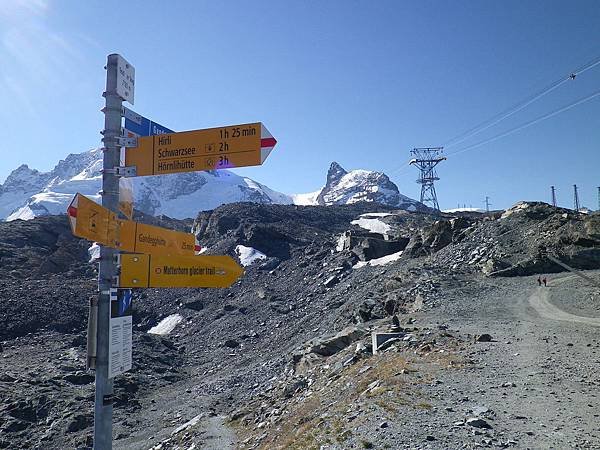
(539, 375)
(183, 410)
(540, 300)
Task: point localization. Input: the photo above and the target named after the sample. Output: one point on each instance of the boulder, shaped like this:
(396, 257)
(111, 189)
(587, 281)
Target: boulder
(79, 422)
(331, 281)
(485, 337)
(478, 423)
(79, 378)
(195, 305)
(368, 248)
(370, 309)
(231, 343)
(270, 264)
(330, 345)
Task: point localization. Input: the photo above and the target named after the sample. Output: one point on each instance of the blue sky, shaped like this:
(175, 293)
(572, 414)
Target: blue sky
(358, 82)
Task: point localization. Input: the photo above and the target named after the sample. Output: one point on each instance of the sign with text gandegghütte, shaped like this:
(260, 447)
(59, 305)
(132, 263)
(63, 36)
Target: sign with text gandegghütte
(92, 221)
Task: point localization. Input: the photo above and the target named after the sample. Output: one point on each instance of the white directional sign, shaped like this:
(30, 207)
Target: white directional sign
(125, 80)
(120, 339)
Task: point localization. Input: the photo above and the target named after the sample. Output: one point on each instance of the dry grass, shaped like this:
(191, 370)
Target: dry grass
(314, 420)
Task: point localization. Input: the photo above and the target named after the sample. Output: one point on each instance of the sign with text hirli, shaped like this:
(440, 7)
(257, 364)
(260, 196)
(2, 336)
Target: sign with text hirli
(138, 125)
(208, 149)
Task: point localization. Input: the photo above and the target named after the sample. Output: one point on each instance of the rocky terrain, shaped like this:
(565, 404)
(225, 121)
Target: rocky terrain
(481, 356)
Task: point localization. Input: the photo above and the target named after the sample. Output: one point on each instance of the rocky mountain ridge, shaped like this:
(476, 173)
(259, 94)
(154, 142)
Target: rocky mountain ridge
(343, 187)
(28, 193)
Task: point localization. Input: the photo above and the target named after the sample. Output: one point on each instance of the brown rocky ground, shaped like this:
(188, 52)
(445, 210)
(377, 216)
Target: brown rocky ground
(242, 362)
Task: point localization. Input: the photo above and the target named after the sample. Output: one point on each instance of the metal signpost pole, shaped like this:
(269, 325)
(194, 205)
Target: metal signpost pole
(103, 409)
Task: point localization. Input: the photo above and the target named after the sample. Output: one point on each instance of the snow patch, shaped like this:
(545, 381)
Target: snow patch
(94, 252)
(188, 424)
(166, 325)
(455, 210)
(371, 223)
(381, 214)
(248, 255)
(308, 199)
(379, 261)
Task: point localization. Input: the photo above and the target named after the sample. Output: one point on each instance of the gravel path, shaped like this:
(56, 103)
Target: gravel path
(540, 300)
(538, 378)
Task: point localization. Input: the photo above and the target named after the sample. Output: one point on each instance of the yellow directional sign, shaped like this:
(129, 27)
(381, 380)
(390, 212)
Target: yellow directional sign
(91, 221)
(190, 151)
(206, 271)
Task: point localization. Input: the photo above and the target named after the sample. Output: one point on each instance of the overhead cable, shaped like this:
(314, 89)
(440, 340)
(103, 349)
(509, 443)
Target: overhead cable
(528, 124)
(520, 105)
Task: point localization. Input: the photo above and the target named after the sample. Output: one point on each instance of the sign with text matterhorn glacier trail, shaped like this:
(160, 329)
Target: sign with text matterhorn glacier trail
(136, 255)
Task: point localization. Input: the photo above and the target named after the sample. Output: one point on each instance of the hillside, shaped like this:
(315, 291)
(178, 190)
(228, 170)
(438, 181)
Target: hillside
(283, 359)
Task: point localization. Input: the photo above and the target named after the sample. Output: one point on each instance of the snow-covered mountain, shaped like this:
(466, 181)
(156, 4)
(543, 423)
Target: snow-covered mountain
(464, 209)
(343, 187)
(28, 193)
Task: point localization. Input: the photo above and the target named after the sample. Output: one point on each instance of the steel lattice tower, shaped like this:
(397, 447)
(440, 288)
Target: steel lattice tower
(553, 195)
(426, 158)
(575, 198)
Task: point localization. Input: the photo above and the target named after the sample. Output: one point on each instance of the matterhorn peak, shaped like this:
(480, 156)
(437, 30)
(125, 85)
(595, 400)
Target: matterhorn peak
(343, 187)
(335, 173)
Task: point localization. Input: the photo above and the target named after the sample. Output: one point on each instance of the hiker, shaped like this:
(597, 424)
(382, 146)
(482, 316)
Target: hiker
(539, 281)
(544, 281)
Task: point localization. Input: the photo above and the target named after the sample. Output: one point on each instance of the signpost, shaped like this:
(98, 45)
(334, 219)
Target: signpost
(209, 271)
(138, 125)
(164, 258)
(120, 84)
(96, 223)
(190, 151)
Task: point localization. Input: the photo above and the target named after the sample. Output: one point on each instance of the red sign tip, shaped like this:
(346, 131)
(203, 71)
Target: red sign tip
(268, 142)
